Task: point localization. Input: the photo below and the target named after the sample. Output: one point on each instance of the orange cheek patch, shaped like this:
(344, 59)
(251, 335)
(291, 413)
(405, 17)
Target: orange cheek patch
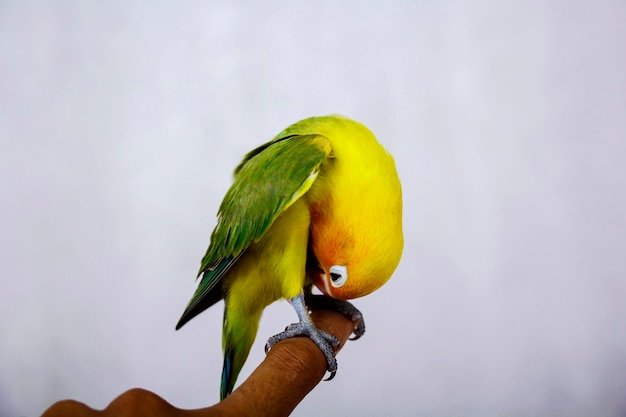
(331, 245)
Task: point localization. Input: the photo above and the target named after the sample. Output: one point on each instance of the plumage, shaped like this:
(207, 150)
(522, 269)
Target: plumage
(320, 203)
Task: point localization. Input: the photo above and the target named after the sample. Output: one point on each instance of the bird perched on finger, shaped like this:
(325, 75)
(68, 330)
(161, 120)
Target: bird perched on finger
(320, 204)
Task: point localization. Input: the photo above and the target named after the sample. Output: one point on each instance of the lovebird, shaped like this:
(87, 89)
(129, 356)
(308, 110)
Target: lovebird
(320, 204)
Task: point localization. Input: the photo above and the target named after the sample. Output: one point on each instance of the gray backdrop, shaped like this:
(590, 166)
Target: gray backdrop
(120, 124)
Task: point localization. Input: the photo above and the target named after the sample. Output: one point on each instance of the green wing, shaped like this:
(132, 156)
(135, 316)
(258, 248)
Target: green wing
(269, 179)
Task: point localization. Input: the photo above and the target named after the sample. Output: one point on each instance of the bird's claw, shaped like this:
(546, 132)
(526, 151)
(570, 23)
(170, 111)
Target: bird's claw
(359, 329)
(317, 302)
(324, 341)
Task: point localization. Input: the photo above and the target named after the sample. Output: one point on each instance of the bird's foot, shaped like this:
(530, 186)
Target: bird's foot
(322, 302)
(324, 341)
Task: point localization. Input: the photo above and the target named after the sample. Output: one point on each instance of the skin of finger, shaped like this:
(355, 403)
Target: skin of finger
(289, 372)
(136, 402)
(70, 408)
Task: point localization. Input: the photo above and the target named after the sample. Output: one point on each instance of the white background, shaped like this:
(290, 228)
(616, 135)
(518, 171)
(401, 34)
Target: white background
(120, 124)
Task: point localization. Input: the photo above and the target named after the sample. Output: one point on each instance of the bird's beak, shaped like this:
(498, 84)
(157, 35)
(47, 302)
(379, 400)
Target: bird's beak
(321, 282)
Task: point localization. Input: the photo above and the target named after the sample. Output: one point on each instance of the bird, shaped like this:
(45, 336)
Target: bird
(318, 205)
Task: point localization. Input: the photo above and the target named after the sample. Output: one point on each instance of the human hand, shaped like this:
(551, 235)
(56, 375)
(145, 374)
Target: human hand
(289, 372)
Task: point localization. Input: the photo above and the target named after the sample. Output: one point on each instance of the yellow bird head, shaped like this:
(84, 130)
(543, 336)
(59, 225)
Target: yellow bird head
(356, 213)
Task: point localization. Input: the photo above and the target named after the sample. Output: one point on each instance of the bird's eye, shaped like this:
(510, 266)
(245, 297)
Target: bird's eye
(338, 275)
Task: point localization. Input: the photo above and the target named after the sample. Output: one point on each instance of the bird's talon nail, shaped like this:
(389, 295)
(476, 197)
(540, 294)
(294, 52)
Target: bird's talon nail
(332, 375)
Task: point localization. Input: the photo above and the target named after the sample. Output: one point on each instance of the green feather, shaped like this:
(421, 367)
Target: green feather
(269, 179)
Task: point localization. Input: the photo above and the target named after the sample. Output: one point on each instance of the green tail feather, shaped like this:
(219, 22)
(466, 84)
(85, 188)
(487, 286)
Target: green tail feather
(238, 336)
(228, 379)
